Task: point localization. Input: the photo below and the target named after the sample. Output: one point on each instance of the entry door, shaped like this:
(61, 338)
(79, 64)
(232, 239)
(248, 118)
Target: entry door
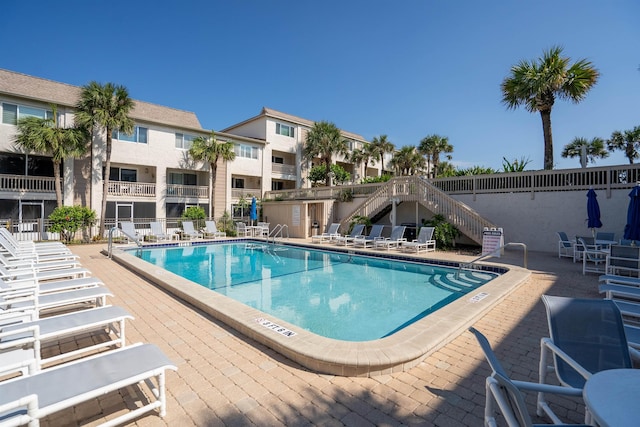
(124, 212)
(30, 213)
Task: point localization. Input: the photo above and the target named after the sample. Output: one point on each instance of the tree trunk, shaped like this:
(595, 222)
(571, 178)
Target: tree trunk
(58, 185)
(214, 172)
(105, 185)
(327, 177)
(548, 139)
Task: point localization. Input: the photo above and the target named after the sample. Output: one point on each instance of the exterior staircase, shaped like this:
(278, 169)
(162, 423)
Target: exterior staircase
(417, 189)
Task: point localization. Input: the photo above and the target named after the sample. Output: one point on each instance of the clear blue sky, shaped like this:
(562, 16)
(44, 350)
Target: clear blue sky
(407, 68)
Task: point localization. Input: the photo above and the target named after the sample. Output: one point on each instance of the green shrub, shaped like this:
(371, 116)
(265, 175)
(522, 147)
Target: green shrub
(67, 220)
(358, 219)
(226, 224)
(444, 233)
(195, 214)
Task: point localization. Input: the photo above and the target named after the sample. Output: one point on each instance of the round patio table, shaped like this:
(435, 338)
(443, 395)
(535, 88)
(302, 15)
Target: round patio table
(613, 397)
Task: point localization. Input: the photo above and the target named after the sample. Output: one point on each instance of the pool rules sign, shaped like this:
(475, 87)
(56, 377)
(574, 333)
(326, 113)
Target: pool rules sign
(492, 241)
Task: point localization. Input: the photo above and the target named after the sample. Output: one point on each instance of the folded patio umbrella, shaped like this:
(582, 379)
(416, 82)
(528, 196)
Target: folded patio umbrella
(253, 213)
(632, 229)
(593, 211)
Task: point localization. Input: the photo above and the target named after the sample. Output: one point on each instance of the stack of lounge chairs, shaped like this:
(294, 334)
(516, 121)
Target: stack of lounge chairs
(46, 296)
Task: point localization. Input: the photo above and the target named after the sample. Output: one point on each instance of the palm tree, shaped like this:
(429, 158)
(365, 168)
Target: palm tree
(594, 149)
(208, 149)
(358, 157)
(537, 84)
(45, 136)
(431, 146)
(628, 140)
(105, 108)
(379, 147)
(324, 140)
(407, 161)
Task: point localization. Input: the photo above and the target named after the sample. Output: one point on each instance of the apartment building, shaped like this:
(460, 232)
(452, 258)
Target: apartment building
(151, 173)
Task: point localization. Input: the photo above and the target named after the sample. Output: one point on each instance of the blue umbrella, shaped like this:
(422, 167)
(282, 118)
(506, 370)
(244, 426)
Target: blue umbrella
(253, 214)
(632, 229)
(593, 210)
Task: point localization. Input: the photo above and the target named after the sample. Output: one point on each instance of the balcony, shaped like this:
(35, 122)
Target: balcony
(238, 193)
(279, 168)
(27, 184)
(132, 189)
(195, 191)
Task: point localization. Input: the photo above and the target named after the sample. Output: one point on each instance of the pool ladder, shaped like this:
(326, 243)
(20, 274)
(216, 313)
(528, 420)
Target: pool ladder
(110, 244)
(469, 265)
(278, 231)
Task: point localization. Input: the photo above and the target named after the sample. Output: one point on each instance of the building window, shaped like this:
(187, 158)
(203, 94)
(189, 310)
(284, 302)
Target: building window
(182, 178)
(121, 174)
(11, 113)
(285, 130)
(246, 151)
(237, 182)
(276, 159)
(139, 135)
(277, 185)
(184, 141)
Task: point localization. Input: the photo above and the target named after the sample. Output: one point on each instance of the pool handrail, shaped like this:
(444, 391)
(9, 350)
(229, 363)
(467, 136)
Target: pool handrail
(278, 231)
(469, 265)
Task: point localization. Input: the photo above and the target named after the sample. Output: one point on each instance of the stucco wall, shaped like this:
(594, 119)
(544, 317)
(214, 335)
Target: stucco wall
(536, 221)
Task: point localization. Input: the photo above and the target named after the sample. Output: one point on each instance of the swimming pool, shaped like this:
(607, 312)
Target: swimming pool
(394, 353)
(335, 295)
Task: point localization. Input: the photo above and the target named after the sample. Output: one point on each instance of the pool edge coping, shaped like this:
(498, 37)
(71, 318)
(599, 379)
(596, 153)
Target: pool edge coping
(398, 352)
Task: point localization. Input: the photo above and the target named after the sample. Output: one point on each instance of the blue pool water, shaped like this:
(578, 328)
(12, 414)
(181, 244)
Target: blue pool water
(333, 294)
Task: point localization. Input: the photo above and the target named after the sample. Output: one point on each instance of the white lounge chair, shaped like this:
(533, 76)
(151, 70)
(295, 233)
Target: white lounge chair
(128, 229)
(623, 259)
(393, 241)
(29, 245)
(157, 232)
(21, 264)
(30, 300)
(12, 275)
(29, 398)
(50, 285)
(189, 230)
(38, 256)
(51, 329)
(374, 234)
(348, 240)
(423, 243)
(327, 236)
(211, 230)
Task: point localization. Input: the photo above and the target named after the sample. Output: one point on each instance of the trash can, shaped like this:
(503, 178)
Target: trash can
(315, 226)
(410, 232)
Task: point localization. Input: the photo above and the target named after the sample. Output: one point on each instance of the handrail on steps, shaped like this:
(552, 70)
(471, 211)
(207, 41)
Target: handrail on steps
(278, 231)
(468, 265)
(110, 244)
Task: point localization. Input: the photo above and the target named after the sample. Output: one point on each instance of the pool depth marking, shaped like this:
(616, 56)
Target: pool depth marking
(275, 327)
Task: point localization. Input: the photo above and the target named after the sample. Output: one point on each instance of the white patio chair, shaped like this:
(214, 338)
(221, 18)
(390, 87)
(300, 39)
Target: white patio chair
(393, 241)
(506, 394)
(327, 236)
(348, 240)
(374, 234)
(242, 230)
(593, 259)
(565, 246)
(158, 232)
(53, 328)
(128, 229)
(211, 230)
(190, 231)
(264, 229)
(423, 243)
(623, 260)
(84, 380)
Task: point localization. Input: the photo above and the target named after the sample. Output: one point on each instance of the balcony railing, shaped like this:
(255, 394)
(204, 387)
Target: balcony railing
(283, 169)
(132, 189)
(23, 183)
(195, 191)
(238, 193)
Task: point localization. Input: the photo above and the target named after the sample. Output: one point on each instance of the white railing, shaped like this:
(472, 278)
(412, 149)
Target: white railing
(238, 193)
(414, 188)
(600, 178)
(23, 183)
(199, 191)
(283, 169)
(132, 189)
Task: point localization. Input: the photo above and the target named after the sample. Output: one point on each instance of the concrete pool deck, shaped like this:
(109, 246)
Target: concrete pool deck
(225, 378)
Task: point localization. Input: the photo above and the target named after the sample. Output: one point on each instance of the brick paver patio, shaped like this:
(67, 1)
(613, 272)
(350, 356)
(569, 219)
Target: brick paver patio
(225, 379)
